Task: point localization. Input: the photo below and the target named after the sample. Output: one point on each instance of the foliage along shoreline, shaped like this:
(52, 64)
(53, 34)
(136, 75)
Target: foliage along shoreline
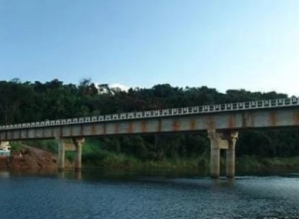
(35, 101)
(110, 161)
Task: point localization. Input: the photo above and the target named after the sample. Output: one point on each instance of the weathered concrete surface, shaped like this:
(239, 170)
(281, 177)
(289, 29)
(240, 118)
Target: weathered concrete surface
(231, 154)
(63, 146)
(78, 142)
(267, 118)
(222, 140)
(61, 154)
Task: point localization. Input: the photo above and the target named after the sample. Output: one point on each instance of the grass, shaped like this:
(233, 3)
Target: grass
(110, 160)
(254, 163)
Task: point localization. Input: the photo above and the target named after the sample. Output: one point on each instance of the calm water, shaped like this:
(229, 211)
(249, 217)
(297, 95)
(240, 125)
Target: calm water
(95, 196)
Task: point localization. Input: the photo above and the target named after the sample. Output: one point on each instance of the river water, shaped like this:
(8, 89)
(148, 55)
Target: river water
(93, 195)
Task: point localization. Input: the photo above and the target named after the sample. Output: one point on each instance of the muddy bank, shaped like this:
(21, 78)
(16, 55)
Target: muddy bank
(29, 158)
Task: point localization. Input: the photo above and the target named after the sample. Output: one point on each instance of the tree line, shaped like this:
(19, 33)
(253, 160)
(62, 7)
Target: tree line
(35, 101)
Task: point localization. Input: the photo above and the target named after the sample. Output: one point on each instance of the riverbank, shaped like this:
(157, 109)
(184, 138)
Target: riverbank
(26, 158)
(29, 158)
(108, 160)
(266, 164)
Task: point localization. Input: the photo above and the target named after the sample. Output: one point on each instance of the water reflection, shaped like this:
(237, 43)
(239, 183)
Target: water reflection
(78, 175)
(110, 194)
(4, 174)
(61, 174)
(224, 182)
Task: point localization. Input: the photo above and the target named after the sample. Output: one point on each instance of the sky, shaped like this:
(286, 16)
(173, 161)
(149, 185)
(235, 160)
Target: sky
(231, 44)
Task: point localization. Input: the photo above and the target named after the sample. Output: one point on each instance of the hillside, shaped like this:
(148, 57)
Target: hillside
(55, 100)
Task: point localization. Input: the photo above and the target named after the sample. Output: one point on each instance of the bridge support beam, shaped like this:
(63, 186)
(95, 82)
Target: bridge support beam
(78, 147)
(230, 154)
(61, 155)
(222, 140)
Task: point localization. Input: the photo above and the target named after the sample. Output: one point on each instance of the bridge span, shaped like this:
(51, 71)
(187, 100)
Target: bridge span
(221, 121)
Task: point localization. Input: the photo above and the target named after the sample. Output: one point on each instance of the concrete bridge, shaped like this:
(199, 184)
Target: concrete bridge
(221, 121)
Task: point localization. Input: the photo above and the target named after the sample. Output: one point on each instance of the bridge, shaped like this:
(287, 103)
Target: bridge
(221, 121)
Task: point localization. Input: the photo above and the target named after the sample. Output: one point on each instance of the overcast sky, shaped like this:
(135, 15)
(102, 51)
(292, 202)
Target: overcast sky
(231, 44)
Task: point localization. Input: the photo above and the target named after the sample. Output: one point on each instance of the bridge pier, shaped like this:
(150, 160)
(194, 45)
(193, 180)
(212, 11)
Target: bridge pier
(61, 154)
(230, 154)
(76, 146)
(222, 140)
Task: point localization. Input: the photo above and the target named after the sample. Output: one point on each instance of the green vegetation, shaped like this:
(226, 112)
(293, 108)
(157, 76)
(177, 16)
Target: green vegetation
(15, 146)
(262, 164)
(95, 155)
(47, 145)
(26, 102)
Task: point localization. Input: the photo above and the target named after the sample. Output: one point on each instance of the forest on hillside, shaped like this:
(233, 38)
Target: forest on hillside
(34, 101)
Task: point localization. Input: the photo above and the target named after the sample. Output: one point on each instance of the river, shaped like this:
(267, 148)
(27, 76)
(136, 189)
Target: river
(94, 195)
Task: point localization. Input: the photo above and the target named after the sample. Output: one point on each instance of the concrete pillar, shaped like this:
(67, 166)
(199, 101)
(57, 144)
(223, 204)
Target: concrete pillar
(78, 158)
(222, 140)
(215, 162)
(61, 154)
(230, 154)
(215, 153)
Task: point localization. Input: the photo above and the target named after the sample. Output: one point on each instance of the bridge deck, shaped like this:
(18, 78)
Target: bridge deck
(196, 110)
(270, 118)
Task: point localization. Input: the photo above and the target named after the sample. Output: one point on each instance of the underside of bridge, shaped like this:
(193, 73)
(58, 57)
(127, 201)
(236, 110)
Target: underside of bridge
(219, 140)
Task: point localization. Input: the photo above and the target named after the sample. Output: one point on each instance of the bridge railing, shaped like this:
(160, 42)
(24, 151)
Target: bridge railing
(251, 105)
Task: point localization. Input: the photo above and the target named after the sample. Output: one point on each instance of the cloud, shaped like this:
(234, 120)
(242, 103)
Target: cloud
(120, 86)
(115, 87)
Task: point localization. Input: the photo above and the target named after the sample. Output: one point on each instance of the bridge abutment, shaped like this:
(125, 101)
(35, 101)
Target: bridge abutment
(222, 140)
